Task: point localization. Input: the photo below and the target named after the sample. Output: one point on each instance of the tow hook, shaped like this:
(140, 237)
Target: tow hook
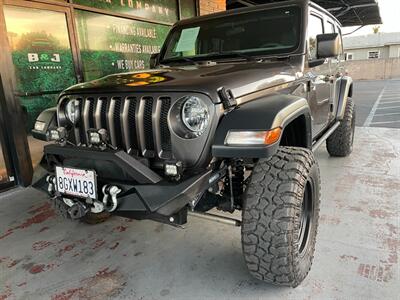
(77, 210)
(110, 197)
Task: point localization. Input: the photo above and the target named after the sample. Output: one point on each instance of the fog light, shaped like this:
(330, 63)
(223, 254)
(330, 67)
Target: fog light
(97, 137)
(94, 137)
(39, 125)
(173, 169)
(57, 134)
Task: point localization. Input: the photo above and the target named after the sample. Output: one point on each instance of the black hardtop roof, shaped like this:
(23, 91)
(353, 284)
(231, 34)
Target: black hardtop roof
(348, 12)
(302, 3)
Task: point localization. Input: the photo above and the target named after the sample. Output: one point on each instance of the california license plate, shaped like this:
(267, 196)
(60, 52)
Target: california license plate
(76, 182)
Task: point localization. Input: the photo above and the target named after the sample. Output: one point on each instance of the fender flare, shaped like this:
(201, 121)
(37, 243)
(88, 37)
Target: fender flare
(344, 88)
(49, 118)
(261, 114)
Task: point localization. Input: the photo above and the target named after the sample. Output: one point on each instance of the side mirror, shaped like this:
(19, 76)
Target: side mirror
(44, 121)
(328, 45)
(154, 60)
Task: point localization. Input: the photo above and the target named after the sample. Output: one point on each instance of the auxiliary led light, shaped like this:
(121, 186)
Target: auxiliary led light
(59, 134)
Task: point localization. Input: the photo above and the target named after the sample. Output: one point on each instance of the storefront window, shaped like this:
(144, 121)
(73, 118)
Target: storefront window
(157, 10)
(41, 54)
(43, 62)
(113, 45)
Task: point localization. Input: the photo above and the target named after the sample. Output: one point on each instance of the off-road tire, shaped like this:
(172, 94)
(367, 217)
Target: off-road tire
(340, 143)
(92, 219)
(271, 217)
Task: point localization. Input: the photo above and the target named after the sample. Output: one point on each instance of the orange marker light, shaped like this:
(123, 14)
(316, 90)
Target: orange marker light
(272, 136)
(245, 138)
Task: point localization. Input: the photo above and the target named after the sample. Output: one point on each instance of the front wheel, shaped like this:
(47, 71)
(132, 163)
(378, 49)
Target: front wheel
(280, 217)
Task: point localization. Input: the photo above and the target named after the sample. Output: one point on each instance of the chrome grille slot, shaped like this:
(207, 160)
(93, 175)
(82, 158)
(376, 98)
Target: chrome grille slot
(137, 124)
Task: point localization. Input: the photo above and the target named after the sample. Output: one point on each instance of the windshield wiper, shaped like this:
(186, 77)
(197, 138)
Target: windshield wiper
(234, 54)
(180, 59)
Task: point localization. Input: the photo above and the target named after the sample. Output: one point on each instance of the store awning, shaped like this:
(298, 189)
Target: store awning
(348, 12)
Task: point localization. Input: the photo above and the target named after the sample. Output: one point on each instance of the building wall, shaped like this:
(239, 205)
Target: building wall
(211, 6)
(372, 69)
(394, 51)
(391, 51)
(360, 54)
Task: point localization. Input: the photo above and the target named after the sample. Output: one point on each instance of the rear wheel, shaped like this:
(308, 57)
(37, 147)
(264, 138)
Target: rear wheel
(340, 143)
(280, 217)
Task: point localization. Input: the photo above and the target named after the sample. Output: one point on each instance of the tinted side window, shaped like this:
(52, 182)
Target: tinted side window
(330, 28)
(315, 27)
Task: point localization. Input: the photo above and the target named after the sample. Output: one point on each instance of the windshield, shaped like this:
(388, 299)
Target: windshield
(256, 33)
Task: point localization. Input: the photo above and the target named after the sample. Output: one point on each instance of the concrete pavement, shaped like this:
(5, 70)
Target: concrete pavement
(45, 257)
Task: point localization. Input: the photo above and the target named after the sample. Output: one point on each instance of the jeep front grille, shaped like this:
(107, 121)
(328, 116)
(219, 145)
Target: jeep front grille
(136, 124)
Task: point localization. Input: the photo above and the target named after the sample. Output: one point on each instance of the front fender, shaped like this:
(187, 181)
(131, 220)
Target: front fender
(261, 114)
(343, 88)
(48, 118)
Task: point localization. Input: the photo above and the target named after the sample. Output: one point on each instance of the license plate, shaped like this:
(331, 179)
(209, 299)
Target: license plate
(76, 182)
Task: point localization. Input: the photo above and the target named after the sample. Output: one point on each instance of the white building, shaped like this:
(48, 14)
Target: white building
(372, 46)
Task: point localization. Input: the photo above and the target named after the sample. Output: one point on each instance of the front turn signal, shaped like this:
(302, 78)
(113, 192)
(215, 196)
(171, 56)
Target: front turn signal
(246, 138)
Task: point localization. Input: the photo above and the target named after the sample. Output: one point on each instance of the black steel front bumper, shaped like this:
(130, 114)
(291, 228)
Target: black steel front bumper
(144, 193)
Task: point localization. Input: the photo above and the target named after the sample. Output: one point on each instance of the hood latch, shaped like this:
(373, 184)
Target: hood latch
(228, 100)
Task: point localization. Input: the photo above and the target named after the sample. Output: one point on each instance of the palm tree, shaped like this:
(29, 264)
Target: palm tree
(375, 29)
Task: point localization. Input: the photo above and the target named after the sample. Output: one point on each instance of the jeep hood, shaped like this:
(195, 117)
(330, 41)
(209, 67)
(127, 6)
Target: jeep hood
(240, 78)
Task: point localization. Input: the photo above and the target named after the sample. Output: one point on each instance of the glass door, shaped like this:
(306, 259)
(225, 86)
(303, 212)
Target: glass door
(44, 58)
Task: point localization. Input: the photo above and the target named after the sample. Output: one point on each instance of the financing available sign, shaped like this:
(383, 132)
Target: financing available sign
(111, 44)
(158, 10)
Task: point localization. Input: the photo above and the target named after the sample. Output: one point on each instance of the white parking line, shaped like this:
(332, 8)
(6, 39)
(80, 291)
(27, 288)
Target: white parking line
(386, 122)
(389, 114)
(390, 98)
(387, 102)
(390, 107)
(374, 108)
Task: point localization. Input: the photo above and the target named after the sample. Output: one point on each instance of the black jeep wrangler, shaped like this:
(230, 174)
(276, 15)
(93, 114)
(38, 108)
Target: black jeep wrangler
(227, 119)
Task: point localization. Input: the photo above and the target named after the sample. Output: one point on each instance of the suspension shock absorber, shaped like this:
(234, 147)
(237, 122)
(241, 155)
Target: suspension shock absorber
(233, 182)
(238, 179)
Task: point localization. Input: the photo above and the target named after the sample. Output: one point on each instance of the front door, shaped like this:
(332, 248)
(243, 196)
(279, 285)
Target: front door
(44, 57)
(319, 78)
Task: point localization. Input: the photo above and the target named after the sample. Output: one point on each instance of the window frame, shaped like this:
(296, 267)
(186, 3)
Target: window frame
(331, 24)
(373, 51)
(315, 14)
(348, 54)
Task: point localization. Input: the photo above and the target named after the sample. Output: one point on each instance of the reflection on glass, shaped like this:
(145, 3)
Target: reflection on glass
(43, 62)
(3, 167)
(159, 10)
(113, 45)
(40, 48)
(188, 8)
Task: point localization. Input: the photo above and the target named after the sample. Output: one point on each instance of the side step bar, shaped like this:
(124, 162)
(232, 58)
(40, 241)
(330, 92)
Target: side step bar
(216, 218)
(324, 137)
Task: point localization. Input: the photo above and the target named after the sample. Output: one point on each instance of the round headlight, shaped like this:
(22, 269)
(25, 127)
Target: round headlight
(195, 115)
(72, 111)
